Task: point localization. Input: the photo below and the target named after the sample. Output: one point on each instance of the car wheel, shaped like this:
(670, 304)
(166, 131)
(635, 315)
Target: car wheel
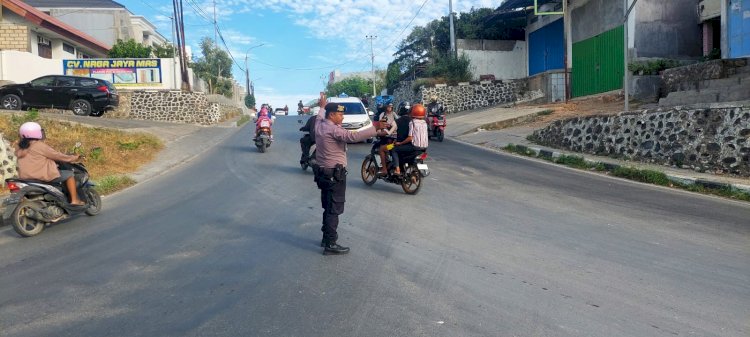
(11, 102)
(81, 107)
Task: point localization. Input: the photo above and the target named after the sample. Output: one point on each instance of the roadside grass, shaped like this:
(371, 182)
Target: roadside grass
(244, 119)
(109, 152)
(630, 173)
(113, 183)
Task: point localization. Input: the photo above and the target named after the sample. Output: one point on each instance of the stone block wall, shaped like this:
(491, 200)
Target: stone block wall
(7, 159)
(14, 37)
(174, 106)
(468, 95)
(713, 140)
(685, 77)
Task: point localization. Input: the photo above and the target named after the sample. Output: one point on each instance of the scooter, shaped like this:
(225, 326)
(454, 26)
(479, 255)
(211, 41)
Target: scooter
(263, 136)
(33, 204)
(413, 170)
(437, 127)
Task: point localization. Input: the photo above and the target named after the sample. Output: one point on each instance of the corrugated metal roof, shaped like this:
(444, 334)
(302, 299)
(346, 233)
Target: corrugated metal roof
(511, 4)
(73, 4)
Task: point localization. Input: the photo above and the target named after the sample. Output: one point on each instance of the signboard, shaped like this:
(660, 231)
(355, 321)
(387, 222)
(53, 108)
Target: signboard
(121, 72)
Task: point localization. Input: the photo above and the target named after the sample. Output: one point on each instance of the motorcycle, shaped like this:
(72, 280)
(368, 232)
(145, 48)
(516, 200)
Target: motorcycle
(437, 125)
(436, 122)
(310, 161)
(263, 136)
(33, 205)
(413, 170)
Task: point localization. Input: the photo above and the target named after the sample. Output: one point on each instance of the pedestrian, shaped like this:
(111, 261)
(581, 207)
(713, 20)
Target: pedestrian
(330, 172)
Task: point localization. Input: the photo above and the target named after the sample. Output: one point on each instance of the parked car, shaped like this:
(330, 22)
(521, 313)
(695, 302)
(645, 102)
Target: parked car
(84, 95)
(356, 117)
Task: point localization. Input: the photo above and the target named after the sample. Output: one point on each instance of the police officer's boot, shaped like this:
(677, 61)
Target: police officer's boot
(332, 248)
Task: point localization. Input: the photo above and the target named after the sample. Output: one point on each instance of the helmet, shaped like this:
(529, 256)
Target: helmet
(403, 108)
(417, 111)
(31, 130)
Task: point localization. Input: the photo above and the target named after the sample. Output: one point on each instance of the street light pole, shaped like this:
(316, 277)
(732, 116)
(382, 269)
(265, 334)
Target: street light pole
(372, 55)
(174, 55)
(247, 69)
(452, 31)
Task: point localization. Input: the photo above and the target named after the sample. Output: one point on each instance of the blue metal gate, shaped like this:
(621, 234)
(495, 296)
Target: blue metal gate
(546, 48)
(739, 28)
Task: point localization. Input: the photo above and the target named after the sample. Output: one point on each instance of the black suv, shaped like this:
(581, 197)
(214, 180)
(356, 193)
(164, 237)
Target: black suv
(84, 95)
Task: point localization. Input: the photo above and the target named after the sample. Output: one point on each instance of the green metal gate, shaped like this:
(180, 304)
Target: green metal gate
(598, 63)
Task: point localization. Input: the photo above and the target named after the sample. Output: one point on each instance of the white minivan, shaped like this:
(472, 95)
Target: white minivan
(356, 117)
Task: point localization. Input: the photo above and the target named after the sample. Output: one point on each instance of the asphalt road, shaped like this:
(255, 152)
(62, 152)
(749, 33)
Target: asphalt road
(493, 245)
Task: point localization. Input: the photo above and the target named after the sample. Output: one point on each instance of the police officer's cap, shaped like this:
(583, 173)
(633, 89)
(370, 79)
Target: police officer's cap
(335, 107)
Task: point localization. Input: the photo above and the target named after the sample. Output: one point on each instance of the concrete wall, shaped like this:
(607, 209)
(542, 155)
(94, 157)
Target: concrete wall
(105, 25)
(714, 140)
(21, 67)
(504, 59)
(666, 29)
(593, 17)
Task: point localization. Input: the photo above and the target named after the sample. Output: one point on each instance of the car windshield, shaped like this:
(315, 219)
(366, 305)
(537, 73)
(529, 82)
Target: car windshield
(354, 108)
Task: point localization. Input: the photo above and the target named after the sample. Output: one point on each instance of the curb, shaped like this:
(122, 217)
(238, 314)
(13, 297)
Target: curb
(672, 177)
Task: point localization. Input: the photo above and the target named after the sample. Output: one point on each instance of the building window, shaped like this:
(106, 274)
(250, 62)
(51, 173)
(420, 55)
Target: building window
(68, 48)
(45, 47)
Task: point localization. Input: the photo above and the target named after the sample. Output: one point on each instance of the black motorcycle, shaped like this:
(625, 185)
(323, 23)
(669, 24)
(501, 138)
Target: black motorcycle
(33, 205)
(413, 169)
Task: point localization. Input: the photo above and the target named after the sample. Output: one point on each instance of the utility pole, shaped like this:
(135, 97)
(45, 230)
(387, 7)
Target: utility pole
(174, 54)
(625, 84)
(216, 27)
(452, 31)
(372, 57)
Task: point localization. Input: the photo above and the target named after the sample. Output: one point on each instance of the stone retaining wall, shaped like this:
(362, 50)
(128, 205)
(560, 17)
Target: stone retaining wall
(710, 140)
(174, 106)
(7, 159)
(468, 95)
(685, 77)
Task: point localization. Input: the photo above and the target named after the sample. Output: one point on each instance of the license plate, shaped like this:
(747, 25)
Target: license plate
(422, 167)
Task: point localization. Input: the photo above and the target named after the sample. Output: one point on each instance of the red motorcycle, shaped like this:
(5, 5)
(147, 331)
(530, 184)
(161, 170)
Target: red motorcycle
(437, 125)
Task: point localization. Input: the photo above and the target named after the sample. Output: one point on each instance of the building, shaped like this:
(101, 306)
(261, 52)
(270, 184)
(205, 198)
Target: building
(26, 29)
(725, 26)
(656, 29)
(105, 20)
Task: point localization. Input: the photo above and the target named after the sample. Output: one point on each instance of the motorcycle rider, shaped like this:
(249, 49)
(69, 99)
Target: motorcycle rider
(402, 131)
(300, 108)
(263, 115)
(307, 141)
(387, 117)
(36, 160)
(416, 139)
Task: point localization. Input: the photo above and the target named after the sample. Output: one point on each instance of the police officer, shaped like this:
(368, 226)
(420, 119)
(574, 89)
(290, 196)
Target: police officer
(330, 173)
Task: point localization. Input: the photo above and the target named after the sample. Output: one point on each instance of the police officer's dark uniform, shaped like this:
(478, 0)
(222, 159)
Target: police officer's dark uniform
(330, 172)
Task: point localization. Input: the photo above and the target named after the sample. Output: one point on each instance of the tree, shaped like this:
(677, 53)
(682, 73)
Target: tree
(164, 51)
(214, 67)
(352, 86)
(129, 49)
(392, 75)
(452, 69)
(250, 101)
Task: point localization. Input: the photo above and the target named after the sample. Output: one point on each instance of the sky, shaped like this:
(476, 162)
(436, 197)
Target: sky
(301, 41)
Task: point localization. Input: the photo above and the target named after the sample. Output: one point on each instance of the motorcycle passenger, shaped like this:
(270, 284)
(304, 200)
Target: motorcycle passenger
(307, 141)
(416, 139)
(387, 117)
(261, 117)
(36, 160)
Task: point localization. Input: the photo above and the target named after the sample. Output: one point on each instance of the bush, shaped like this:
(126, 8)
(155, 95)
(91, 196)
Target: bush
(454, 70)
(652, 67)
(645, 176)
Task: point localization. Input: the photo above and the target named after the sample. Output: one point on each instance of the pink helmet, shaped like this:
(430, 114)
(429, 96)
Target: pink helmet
(31, 130)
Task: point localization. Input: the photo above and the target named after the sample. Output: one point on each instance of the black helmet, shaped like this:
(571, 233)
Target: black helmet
(404, 108)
